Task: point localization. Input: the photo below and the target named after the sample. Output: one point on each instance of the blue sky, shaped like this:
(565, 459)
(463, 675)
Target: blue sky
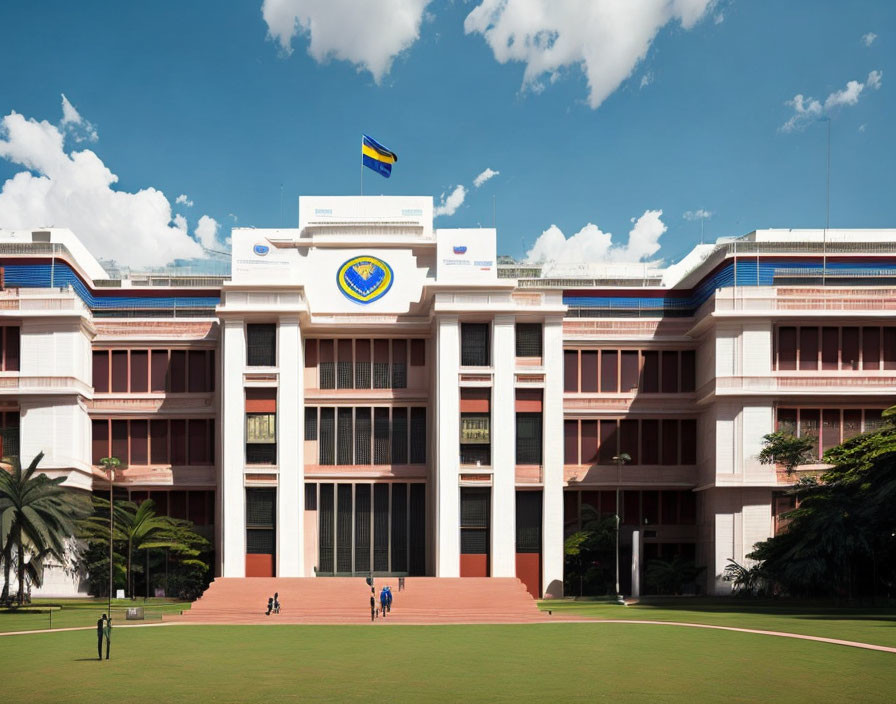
(199, 99)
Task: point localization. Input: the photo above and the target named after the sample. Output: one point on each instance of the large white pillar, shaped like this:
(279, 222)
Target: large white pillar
(290, 492)
(447, 427)
(552, 517)
(503, 427)
(233, 430)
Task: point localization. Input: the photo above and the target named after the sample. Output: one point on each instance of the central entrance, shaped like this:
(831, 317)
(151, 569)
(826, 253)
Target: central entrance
(371, 526)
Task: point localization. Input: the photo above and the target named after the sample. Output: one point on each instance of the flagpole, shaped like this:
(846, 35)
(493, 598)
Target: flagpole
(362, 165)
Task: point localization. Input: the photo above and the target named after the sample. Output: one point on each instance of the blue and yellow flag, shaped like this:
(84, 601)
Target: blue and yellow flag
(375, 156)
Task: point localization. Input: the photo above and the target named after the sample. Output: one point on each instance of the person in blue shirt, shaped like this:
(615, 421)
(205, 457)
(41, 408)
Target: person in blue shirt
(389, 599)
(384, 599)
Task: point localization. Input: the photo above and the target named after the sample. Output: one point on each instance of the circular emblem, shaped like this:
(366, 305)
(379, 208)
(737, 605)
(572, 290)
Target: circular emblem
(364, 279)
(261, 249)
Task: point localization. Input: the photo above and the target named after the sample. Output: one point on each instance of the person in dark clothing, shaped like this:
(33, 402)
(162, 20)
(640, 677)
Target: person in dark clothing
(389, 599)
(108, 633)
(384, 598)
(401, 584)
(270, 606)
(100, 628)
(372, 607)
(276, 602)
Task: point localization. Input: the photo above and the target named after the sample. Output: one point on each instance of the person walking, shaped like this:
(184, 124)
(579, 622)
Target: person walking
(276, 602)
(270, 606)
(108, 633)
(100, 629)
(384, 597)
(401, 584)
(389, 599)
(372, 606)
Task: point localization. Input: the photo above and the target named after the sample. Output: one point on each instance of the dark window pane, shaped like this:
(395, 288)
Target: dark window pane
(830, 348)
(345, 436)
(399, 436)
(177, 372)
(399, 364)
(381, 436)
(650, 442)
(418, 353)
(381, 527)
(589, 442)
(830, 428)
(178, 442)
(418, 435)
(609, 361)
(362, 527)
(609, 441)
(570, 370)
(689, 441)
(344, 363)
(326, 444)
(787, 421)
(570, 442)
(417, 511)
(474, 344)
(261, 345)
(688, 370)
(589, 371)
(528, 438)
(399, 527)
(139, 449)
(198, 374)
(670, 372)
(326, 529)
(849, 354)
(808, 348)
(362, 364)
(263, 453)
(327, 367)
(629, 371)
(99, 441)
(120, 440)
(159, 371)
(528, 339)
(101, 371)
(870, 348)
(650, 507)
(628, 439)
(670, 442)
(528, 521)
(198, 439)
(260, 506)
(650, 376)
(310, 496)
(669, 507)
(889, 348)
(362, 435)
(343, 528)
(786, 348)
(119, 371)
(139, 371)
(381, 376)
(159, 443)
(852, 423)
(311, 423)
(12, 348)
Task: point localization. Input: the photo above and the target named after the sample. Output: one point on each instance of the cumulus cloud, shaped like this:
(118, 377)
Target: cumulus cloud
(80, 129)
(206, 231)
(806, 109)
(484, 176)
(368, 36)
(449, 204)
(74, 189)
(868, 39)
(699, 214)
(606, 39)
(591, 244)
(182, 199)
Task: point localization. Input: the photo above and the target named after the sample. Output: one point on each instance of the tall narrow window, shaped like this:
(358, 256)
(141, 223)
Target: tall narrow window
(261, 438)
(381, 436)
(849, 350)
(689, 441)
(310, 423)
(629, 371)
(628, 439)
(99, 440)
(343, 527)
(589, 442)
(362, 364)
(399, 436)
(670, 371)
(11, 348)
(139, 371)
(362, 435)
(418, 435)
(650, 376)
(158, 447)
(177, 372)
(326, 532)
(571, 442)
(808, 348)
(570, 370)
(326, 444)
(670, 441)
(198, 431)
(362, 527)
(381, 527)
(830, 428)
(870, 348)
(381, 364)
(261, 345)
(786, 348)
(589, 371)
(344, 371)
(474, 345)
(528, 339)
(139, 437)
(528, 438)
(399, 527)
(327, 368)
(119, 371)
(418, 353)
(158, 376)
(609, 441)
(345, 436)
(198, 373)
(650, 441)
(889, 339)
(830, 348)
(101, 371)
(120, 440)
(609, 370)
(399, 364)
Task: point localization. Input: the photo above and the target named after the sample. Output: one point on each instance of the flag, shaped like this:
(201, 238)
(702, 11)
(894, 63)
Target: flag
(375, 156)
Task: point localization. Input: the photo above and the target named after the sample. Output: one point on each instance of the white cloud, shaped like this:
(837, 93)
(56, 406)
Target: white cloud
(485, 176)
(73, 189)
(449, 205)
(591, 244)
(646, 79)
(868, 39)
(807, 109)
(182, 199)
(719, 18)
(206, 231)
(368, 35)
(77, 126)
(607, 39)
(699, 214)
(862, 127)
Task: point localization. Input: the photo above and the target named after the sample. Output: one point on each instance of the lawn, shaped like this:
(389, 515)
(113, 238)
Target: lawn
(69, 613)
(553, 662)
(866, 625)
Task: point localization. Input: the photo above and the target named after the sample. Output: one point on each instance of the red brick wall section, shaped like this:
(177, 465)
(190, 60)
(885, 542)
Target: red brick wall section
(474, 565)
(528, 570)
(259, 565)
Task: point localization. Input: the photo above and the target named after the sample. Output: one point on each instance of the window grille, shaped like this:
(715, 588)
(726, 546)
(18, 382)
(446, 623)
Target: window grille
(345, 434)
(362, 364)
(327, 441)
(259, 541)
(381, 436)
(362, 527)
(418, 435)
(261, 345)
(475, 455)
(325, 529)
(399, 527)
(399, 436)
(417, 536)
(311, 423)
(344, 377)
(261, 454)
(362, 435)
(343, 527)
(528, 340)
(311, 496)
(474, 521)
(399, 364)
(381, 527)
(528, 438)
(474, 345)
(528, 521)
(381, 364)
(327, 368)
(260, 507)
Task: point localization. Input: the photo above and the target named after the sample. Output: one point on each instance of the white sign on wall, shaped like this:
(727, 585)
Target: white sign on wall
(466, 255)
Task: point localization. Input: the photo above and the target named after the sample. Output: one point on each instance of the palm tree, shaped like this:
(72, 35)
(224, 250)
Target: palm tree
(36, 513)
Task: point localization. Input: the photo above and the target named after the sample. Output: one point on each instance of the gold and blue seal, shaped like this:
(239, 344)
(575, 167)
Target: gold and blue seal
(364, 279)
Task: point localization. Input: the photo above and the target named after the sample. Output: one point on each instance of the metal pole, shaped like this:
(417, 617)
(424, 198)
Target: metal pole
(827, 214)
(111, 524)
(362, 165)
(617, 541)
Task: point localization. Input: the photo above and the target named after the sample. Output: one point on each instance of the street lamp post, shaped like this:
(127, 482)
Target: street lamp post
(109, 464)
(620, 460)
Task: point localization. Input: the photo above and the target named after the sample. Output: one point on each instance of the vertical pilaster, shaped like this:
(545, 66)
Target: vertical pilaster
(447, 424)
(231, 484)
(552, 528)
(503, 427)
(290, 493)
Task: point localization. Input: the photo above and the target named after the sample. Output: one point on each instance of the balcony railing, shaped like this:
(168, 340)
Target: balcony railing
(43, 384)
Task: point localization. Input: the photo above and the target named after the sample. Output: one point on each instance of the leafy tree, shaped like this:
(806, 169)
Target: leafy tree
(787, 450)
(37, 516)
(587, 549)
(670, 576)
(747, 581)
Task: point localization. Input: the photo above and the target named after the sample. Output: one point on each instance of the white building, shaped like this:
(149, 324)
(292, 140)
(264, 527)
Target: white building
(366, 392)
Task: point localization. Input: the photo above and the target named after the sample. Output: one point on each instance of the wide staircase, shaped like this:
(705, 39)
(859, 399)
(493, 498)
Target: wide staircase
(346, 600)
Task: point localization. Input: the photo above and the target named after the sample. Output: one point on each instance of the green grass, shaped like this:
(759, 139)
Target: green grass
(866, 625)
(554, 662)
(70, 613)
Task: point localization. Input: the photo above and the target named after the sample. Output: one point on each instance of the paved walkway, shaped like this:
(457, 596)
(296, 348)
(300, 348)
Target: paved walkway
(780, 634)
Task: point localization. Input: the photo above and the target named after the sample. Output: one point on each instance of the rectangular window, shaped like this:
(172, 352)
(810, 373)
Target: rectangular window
(889, 339)
(528, 339)
(670, 442)
(101, 371)
(629, 371)
(139, 439)
(476, 455)
(158, 376)
(198, 375)
(178, 442)
(852, 423)
(381, 436)
(310, 423)
(849, 350)
(326, 537)
(418, 353)
(399, 527)
(362, 435)
(689, 441)
(343, 527)
(688, 370)
(873, 419)
(787, 421)
(158, 446)
(650, 376)
(650, 507)
(362, 527)
(474, 345)
(786, 348)
(570, 371)
(381, 364)
(119, 371)
(571, 442)
(11, 348)
(177, 372)
(528, 521)
(589, 371)
(808, 348)
(628, 439)
(609, 363)
(650, 441)
(139, 371)
(362, 364)
(261, 428)
(381, 527)
(670, 372)
(830, 348)
(870, 348)
(99, 440)
(261, 345)
(399, 436)
(344, 363)
(809, 425)
(830, 428)
(120, 440)
(528, 438)
(345, 436)
(474, 521)
(310, 496)
(326, 445)
(418, 435)
(609, 441)
(399, 364)
(475, 428)
(199, 441)
(327, 368)
(589, 442)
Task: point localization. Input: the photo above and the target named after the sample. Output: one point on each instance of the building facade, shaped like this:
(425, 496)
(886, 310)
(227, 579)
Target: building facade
(368, 393)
